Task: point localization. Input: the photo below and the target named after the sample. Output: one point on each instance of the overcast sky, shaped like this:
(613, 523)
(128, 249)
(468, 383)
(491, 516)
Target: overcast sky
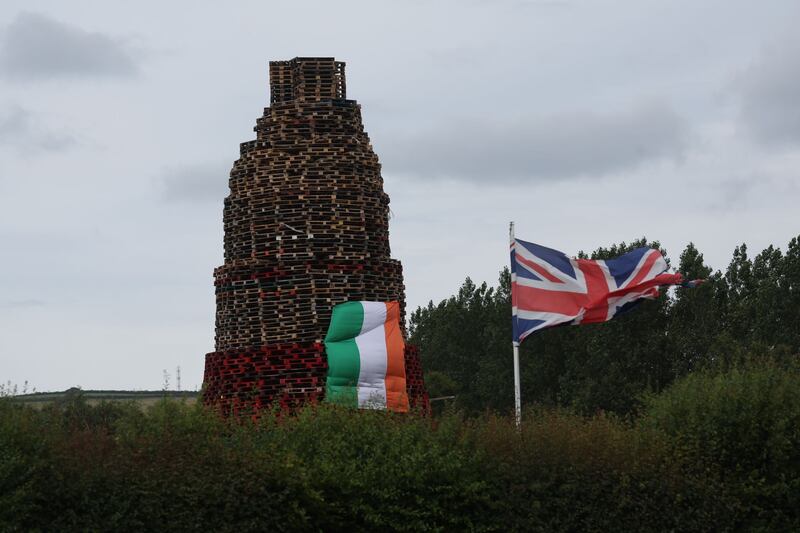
(586, 122)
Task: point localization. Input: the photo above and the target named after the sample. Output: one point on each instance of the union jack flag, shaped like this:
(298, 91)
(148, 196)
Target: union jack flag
(548, 288)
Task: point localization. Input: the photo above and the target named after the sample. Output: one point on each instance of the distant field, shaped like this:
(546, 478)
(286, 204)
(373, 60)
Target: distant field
(97, 396)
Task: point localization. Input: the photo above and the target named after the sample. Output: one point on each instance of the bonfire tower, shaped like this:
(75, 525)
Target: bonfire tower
(306, 227)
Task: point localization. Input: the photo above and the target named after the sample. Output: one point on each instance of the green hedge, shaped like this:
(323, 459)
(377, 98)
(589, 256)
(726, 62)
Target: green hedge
(116, 468)
(741, 427)
(568, 473)
(711, 453)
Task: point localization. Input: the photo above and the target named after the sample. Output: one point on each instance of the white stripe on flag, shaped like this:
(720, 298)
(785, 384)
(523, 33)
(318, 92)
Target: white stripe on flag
(374, 316)
(372, 350)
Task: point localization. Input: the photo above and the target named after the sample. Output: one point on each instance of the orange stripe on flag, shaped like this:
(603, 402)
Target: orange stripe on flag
(396, 395)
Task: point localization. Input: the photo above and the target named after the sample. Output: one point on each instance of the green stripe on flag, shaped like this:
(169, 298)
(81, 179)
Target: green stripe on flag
(346, 322)
(344, 360)
(344, 366)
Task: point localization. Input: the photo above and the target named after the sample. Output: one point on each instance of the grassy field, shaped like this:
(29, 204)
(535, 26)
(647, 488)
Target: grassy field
(94, 397)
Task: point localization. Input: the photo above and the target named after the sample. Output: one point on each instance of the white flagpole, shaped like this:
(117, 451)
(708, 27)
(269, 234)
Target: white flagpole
(517, 398)
(517, 392)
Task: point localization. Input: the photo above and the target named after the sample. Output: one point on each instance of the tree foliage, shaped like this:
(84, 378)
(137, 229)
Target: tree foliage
(742, 427)
(753, 307)
(176, 467)
(713, 452)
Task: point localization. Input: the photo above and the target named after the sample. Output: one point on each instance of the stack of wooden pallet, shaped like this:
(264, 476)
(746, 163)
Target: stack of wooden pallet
(306, 228)
(284, 377)
(415, 385)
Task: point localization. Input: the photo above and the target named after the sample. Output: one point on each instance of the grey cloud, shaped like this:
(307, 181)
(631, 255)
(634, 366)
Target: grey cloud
(770, 94)
(560, 146)
(196, 183)
(19, 304)
(25, 131)
(36, 47)
(734, 193)
(527, 3)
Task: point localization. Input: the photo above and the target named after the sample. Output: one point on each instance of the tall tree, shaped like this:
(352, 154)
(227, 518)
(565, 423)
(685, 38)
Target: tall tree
(790, 332)
(696, 315)
(753, 308)
(461, 337)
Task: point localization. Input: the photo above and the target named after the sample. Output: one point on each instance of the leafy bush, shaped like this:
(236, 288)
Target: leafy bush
(569, 473)
(704, 457)
(177, 467)
(743, 428)
(379, 471)
(110, 467)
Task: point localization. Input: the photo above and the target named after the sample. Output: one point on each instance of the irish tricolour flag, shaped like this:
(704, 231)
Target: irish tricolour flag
(365, 356)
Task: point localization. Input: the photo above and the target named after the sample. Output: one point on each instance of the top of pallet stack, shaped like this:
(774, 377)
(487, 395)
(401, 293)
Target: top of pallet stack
(306, 79)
